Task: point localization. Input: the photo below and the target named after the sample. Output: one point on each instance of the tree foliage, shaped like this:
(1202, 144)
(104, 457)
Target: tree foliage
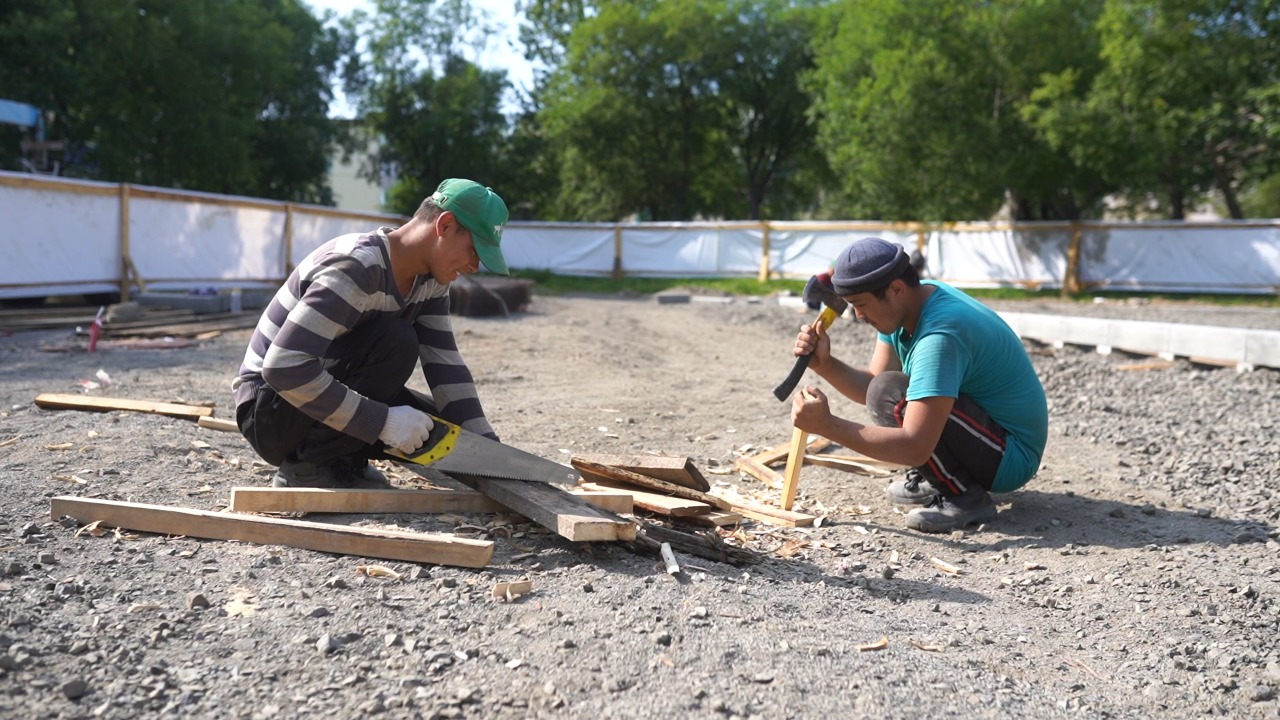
(676, 110)
(919, 107)
(436, 114)
(1185, 102)
(228, 96)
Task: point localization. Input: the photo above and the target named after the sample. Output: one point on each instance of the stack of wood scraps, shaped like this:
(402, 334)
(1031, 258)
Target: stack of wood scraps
(692, 500)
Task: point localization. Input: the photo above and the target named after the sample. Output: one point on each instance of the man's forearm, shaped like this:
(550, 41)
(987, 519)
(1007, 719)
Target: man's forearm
(847, 380)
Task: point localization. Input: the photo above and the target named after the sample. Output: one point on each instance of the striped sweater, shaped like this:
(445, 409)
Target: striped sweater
(340, 285)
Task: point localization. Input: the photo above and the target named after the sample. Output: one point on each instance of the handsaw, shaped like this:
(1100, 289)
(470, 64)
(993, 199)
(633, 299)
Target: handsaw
(450, 449)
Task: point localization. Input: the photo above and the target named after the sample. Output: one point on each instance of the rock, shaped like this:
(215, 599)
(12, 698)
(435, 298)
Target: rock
(47, 558)
(75, 689)
(326, 644)
(196, 601)
(662, 638)
(318, 611)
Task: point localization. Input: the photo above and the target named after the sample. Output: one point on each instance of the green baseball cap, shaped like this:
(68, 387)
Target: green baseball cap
(480, 211)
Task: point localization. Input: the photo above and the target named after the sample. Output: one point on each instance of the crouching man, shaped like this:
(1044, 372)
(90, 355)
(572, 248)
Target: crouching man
(950, 388)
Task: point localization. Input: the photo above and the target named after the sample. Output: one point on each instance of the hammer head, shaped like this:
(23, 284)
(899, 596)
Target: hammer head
(816, 291)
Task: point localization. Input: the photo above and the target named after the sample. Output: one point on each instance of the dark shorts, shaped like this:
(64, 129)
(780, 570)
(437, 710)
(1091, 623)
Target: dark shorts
(972, 445)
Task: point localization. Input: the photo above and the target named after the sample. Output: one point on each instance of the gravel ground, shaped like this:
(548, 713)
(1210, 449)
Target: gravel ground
(1137, 576)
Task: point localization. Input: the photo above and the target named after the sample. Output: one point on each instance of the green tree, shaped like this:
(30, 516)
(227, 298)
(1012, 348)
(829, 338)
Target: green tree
(675, 110)
(436, 114)
(1184, 104)
(226, 96)
(918, 105)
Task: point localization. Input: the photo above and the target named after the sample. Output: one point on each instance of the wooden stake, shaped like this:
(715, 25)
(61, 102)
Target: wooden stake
(324, 537)
(795, 460)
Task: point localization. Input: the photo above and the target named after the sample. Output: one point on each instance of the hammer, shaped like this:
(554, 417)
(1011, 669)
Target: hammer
(833, 306)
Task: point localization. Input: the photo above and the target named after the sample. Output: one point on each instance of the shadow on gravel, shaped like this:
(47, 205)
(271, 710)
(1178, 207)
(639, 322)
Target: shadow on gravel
(1056, 520)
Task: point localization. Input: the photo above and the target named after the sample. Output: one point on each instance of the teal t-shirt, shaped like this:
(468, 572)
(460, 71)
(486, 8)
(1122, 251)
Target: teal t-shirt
(963, 347)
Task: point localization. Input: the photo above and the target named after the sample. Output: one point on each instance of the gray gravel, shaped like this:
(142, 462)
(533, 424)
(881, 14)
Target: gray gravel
(1137, 576)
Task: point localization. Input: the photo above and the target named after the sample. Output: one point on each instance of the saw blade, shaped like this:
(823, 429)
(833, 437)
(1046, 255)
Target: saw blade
(450, 449)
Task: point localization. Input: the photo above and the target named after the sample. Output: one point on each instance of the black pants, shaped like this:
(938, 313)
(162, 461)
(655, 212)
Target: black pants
(972, 444)
(375, 359)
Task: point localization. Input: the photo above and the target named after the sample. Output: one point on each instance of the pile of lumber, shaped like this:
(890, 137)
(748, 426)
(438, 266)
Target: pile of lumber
(578, 514)
(674, 488)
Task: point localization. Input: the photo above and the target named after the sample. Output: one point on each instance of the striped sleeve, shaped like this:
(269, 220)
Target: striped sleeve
(452, 385)
(323, 303)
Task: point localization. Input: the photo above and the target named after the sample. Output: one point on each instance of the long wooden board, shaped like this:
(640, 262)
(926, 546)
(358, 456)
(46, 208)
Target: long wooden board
(266, 499)
(778, 453)
(100, 404)
(565, 514)
(765, 474)
(653, 502)
(854, 463)
(677, 470)
(363, 542)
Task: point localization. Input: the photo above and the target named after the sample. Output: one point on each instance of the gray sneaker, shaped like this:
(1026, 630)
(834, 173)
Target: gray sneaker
(944, 513)
(304, 475)
(913, 489)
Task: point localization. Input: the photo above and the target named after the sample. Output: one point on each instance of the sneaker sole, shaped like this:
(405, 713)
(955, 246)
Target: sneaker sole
(915, 523)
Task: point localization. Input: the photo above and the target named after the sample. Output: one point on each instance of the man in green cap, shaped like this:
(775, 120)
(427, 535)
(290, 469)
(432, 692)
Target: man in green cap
(322, 386)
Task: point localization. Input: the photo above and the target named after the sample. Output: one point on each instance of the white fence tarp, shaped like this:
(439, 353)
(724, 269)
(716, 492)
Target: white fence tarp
(62, 236)
(1182, 258)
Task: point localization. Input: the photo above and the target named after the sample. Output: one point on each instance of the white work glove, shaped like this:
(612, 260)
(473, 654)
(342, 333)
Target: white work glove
(406, 429)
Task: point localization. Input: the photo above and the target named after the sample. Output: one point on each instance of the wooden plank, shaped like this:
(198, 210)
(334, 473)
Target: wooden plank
(214, 423)
(563, 513)
(718, 518)
(265, 499)
(778, 453)
(677, 470)
(765, 513)
(569, 516)
(854, 463)
(432, 548)
(761, 472)
(632, 478)
(85, 402)
(653, 502)
(795, 461)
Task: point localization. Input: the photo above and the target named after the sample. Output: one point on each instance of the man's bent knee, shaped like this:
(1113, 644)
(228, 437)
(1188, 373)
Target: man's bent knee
(885, 393)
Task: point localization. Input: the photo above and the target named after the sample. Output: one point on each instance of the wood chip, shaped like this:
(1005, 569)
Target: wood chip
(94, 528)
(75, 480)
(1033, 566)
(378, 571)
(142, 607)
(10, 441)
(200, 445)
(944, 566)
(509, 591)
(880, 644)
(60, 446)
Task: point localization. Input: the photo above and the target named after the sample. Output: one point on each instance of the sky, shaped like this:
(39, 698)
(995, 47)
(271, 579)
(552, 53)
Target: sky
(501, 52)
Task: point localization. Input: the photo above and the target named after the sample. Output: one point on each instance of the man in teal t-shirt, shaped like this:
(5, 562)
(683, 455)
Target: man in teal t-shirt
(950, 388)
